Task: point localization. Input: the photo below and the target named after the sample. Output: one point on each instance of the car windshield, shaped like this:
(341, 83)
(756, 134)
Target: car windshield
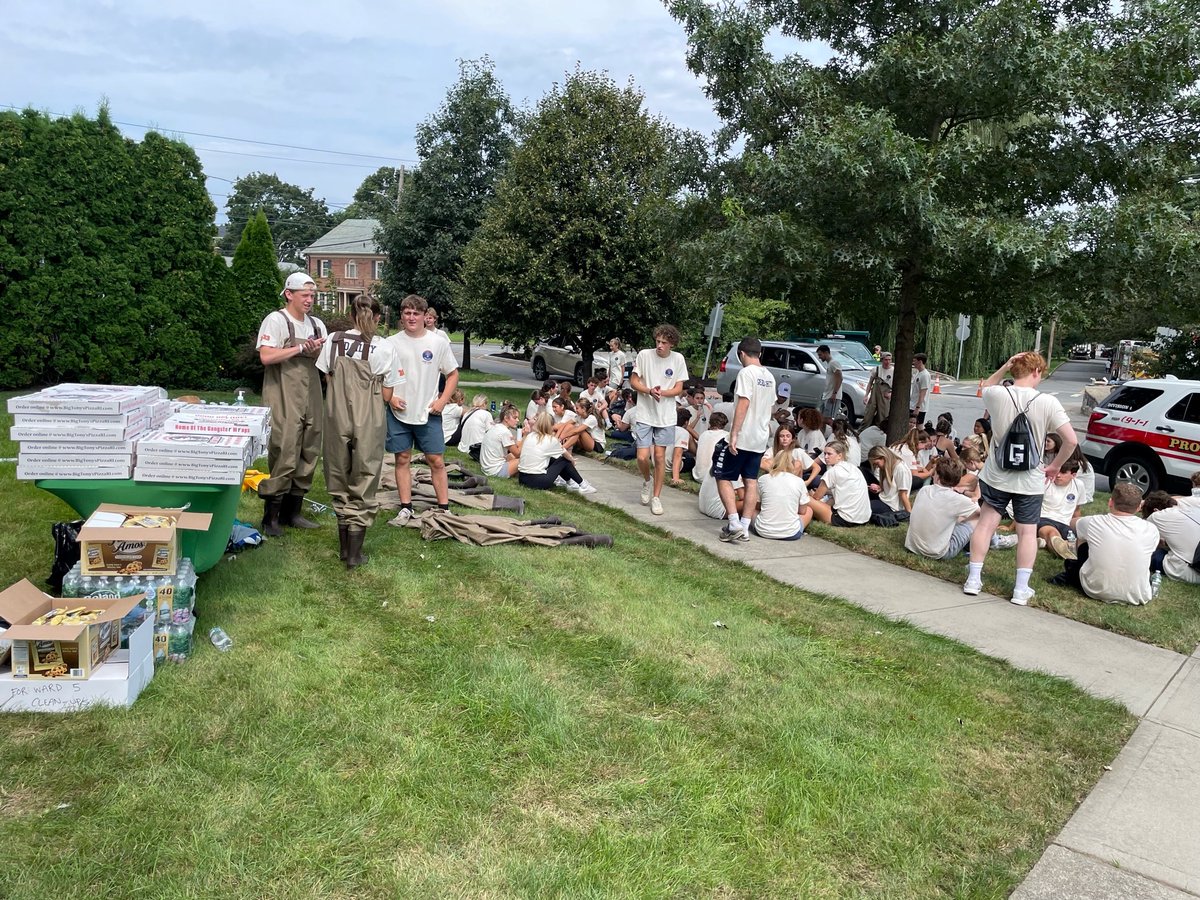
(847, 361)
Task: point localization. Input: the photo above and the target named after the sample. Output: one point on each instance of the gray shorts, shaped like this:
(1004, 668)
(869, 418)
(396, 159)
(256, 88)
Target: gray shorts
(829, 408)
(657, 435)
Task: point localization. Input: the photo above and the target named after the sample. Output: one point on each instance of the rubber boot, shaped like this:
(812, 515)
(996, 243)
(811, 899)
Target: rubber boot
(344, 540)
(588, 540)
(477, 491)
(515, 504)
(289, 513)
(549, 520)
(354, 545)
(270, 523)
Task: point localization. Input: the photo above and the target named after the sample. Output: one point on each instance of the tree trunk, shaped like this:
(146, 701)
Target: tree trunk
(466, 360)
(902, 355)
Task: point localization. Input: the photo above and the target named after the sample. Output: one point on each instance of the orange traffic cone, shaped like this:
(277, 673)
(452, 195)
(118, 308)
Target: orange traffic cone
(937, 384)
(979, 390)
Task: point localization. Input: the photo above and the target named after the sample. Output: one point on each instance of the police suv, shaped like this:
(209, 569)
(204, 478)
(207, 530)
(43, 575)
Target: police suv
(1147, 433)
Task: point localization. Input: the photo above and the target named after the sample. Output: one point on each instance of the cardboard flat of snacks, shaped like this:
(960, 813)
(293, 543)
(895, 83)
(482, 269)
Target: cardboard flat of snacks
(135, 540)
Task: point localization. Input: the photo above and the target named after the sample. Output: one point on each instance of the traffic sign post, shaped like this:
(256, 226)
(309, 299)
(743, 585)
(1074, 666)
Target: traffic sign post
(962, 333)
(713, 331)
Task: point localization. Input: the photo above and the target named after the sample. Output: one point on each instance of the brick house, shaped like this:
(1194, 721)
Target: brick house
(345, 263)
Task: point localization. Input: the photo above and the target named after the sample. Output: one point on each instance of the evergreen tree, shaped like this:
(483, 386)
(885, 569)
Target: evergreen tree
(256, 273)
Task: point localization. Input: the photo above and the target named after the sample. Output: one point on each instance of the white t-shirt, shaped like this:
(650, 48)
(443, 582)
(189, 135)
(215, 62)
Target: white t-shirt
(629, 418)
(887, 375)
(1182, 535)
(724, 407)
(616, 368)
(477, 423)
(936, 510)
(906, 454)
(869, 439)
(853, 450)
(594, 396)
(537, 451)
(782, 496)
(1045, 414)
(452, 414)
(920, 381)
(595, 429)
(710, 498)
(682, 438)
(1117, 569)
(380, 358)
(700, 414)
(419, 361)
(1059, 501)
(756, 384)
(830, 389)
(661, 372)
(273, 331)
(493, 452)
(812, 442)
(1086, 479)
(901, 480)
(705, 447)
(850, 497)
(532, 409)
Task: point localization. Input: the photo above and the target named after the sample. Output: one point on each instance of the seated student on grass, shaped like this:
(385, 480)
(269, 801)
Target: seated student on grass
(811, 436)
(1179, 532)
(972, 462)
(452, 414)
(1114, 552)
(718, 430)
(1085, 477)
(592, 392)
(785, 442)
(537, 404)
(894, 477)
(850, 503)
(564, 391)
(726, 405)
(942, 518)
(980, 437)
(1060, 500)
(948, 418)
(682, 460)
(700, 410)
(578, 430)
(475, 423)
(871, 436)
(781, 418)
(500, 451)
(624, 420)
(783, 501)
(841, 430)
(943, 443)
(543, 461)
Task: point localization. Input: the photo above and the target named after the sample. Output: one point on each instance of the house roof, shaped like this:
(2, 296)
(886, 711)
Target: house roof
(350, 237)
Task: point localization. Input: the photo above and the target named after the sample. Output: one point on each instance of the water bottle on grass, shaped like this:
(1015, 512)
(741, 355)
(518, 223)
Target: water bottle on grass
(220, 639)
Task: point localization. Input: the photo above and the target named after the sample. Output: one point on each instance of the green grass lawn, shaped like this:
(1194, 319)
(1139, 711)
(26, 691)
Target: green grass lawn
(570, 723)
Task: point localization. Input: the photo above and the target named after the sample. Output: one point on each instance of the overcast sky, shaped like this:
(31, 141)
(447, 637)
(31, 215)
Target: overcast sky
(354, 76)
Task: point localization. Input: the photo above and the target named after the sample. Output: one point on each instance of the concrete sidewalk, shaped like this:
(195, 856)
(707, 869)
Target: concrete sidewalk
(1137, 835)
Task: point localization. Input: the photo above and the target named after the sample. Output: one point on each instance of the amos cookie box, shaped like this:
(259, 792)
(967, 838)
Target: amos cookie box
(135, 540)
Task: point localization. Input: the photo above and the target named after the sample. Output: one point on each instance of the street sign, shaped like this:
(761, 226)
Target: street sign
(964, 328)
(713, 328)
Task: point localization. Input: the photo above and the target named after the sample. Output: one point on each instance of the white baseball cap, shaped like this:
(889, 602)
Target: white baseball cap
(297, 281)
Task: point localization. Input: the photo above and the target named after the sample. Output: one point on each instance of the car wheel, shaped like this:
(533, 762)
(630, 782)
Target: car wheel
(846, 410)
(580, 378)
(539, 369)
(1136, 470)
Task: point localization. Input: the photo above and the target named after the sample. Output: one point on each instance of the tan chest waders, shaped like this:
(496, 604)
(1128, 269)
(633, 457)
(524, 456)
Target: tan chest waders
(292, 389)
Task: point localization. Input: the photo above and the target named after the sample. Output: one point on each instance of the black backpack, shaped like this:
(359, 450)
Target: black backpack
(1019, 449)
(455, 438)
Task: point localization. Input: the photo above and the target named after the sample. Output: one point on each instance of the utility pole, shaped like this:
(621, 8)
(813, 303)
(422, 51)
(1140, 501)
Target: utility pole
(1050, 342)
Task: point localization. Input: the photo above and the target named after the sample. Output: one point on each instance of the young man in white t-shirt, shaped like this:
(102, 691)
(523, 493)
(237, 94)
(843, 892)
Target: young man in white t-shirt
(659, 376)
(921, 383)
(749, 434)
(700, 410)
(1178, 527)
(1114, 552)
(421, 357)
(831, 395)
(500, 450)
(1023, 488)
(942, 519)
(289, 342)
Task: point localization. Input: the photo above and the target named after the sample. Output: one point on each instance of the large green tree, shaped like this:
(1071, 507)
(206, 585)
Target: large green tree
(573, 244)
(256, 273)
(952, 156)
(378, 197)
(463, 148)
(107, 272)
(296, 217)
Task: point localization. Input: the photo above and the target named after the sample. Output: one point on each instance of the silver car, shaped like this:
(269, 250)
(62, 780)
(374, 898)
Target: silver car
(558, 357)
(797, 365)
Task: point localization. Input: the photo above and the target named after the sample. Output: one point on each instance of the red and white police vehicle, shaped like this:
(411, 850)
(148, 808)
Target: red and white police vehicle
(1147, 433)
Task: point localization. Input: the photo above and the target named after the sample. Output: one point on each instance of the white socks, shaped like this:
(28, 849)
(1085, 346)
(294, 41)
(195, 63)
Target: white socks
(1022, 580)
(975, 572)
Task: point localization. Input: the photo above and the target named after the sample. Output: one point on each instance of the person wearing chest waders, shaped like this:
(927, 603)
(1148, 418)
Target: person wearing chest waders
(289, 341)
(361, 374)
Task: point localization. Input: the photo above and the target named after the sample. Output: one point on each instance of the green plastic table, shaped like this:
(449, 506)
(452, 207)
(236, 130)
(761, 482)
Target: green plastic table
(205, 548)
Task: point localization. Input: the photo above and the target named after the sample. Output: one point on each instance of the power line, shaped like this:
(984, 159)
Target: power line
(224, 137)
(318, 162)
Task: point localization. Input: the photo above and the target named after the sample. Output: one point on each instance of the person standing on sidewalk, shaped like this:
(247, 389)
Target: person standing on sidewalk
(660, 376)
(359, 365)
(289, 341)
(741, 455)
(420, 358)
(1023, 488)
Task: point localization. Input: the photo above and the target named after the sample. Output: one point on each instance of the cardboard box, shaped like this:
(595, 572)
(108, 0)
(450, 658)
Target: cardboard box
(87, 399)
(169, 475)
(109, 544)
(81, 472)
(79, 430)
(88, 448)
(117, 682)
(60, 652)
(156, 444)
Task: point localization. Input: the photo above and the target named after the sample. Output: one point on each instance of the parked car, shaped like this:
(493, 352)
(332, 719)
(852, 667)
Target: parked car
(1147, 433)
(558, 357)
(797, 365)
(856, 350)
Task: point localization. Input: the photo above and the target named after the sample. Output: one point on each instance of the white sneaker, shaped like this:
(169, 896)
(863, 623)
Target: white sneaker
(729, 535)
(973, 586)
(1041, 543)
(1004, 541)
(572, 487)
(647, 490)
(402, 518)
(1022, 597)
(656, 506)
(561, 482)
(586, 487)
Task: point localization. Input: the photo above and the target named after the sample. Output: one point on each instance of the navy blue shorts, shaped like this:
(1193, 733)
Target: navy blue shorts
(732, 466)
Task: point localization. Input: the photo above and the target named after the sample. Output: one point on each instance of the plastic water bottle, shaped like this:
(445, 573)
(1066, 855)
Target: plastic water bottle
(220, 639)
(493, 406)
(241, 397)
(1155, 583)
